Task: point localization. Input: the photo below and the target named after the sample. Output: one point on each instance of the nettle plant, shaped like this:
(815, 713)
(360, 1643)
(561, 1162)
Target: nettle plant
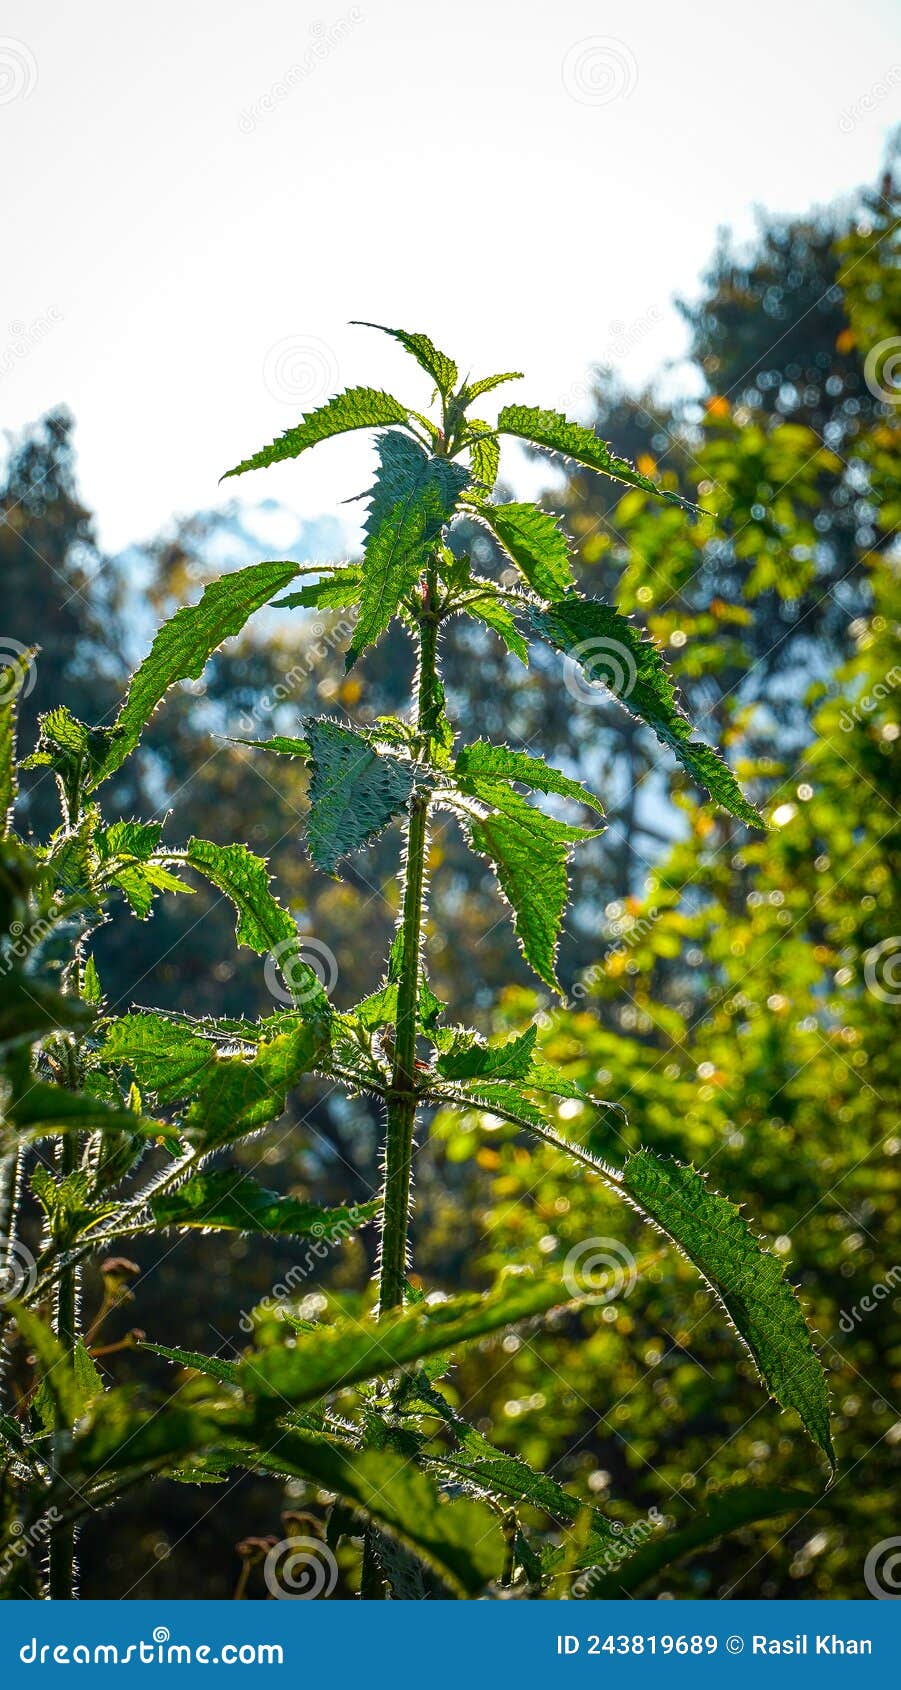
(128, 1112)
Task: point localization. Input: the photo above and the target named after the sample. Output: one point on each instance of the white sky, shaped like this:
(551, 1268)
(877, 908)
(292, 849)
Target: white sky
(515, 179)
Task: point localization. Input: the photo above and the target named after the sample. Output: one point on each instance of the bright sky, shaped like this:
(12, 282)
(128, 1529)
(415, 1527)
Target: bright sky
(199, 195)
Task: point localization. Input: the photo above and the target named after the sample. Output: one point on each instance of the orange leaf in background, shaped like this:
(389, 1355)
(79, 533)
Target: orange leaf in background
(717, 406)
(845, 340)
(646, 464)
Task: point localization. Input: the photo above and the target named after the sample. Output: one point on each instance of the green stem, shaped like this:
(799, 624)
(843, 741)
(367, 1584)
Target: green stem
(62, 1543)
(402, 1098)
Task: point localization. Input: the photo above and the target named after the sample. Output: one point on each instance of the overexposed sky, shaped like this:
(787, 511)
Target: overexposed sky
(198, 196)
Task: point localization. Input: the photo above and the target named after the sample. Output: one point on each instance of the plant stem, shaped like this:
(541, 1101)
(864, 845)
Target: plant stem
(62, 1542)
(402, 1099)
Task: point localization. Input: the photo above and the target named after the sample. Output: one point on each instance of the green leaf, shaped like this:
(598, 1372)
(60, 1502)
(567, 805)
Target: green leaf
(611, 648)
(214, 1367)
(554, 432)
(263, 923)
(45, 1108)
(536, 543)
(336, 591)
(15, 673)
(442, 369)
(743, 1505)
(486, 384)
(530, 853)
(495, 615)
(469, 1060)
(167, 1058)
(54, 1365)
(237, 1094)
(354, 793)
(482, 760)
(499, 1097)
(183, 646)
(228, 1200)
(359, 407)
(353, 1350)
(413, 498)
(67, 1204)
(746, 1278)
(478, 1461)
(460, 1540)
(484, 456)
(279, 742)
